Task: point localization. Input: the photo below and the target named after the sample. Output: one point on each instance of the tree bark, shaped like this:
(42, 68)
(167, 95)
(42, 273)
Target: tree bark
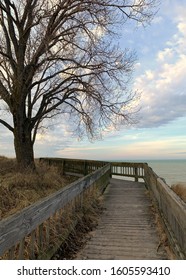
(23, 146)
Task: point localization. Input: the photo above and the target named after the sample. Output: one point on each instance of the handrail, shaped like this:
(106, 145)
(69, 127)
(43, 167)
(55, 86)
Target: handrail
(36, 218)
(128, 169)
(75, 166)
(172, 210)
(84, 167)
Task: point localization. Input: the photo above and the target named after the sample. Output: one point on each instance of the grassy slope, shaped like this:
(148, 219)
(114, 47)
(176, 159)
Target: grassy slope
(18, 190)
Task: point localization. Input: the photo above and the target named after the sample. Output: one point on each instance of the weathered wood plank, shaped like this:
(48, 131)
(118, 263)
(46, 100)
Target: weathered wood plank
(172, 209)
(21, 249)
(32, 245)
(11, 253)
(126, 229)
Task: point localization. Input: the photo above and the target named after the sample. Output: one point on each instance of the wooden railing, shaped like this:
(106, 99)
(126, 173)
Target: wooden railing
(172, 210)
(83, 167)
(37, 231)
(75, 166)
(128, 169)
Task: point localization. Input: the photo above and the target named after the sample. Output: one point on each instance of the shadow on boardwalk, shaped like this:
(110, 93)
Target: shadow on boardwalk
(126, 229)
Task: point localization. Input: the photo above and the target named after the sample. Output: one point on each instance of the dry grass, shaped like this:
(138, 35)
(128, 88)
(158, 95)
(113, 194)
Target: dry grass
(180, 190)
(18, 190)
(88, 217)
(67, 230)
(67, 227)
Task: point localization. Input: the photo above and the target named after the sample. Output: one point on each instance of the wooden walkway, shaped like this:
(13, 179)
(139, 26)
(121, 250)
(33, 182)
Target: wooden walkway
(126, 229)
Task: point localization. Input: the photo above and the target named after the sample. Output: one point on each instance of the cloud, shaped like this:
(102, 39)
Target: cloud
(6, 142)
(167, 53)
(142, 148)
(57, 138)
(182, 27)
(163, 87)
(149, 75)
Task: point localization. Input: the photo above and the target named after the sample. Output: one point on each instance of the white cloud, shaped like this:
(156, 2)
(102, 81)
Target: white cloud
(154, 148)
(163, 97)
(164, 55)
(182, 27)
(149, 75)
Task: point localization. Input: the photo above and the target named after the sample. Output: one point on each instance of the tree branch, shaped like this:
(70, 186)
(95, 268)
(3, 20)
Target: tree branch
(4, 94)
(7, 125)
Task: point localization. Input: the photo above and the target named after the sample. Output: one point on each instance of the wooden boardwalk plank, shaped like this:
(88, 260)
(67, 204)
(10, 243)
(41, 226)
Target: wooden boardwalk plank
(126, 229)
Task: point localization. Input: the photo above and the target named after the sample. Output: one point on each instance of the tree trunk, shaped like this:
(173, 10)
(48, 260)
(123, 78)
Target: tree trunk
(24, 148)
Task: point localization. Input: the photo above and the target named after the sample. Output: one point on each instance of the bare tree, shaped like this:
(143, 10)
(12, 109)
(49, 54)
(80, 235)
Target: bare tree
(58, 57)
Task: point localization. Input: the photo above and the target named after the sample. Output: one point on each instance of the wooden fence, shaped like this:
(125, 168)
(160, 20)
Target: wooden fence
(83, 167)
(38, 230)
(172, 210)
(128, 169)
(75, 166)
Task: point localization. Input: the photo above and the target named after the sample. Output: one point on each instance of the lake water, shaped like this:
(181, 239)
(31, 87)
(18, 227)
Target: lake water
(171, 170)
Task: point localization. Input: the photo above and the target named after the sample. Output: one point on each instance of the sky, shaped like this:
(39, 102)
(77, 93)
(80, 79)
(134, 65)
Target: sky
(160, 77)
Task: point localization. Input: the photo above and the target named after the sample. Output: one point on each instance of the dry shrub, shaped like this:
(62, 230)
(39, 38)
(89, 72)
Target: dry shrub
(180, 190)
(7, 165)
(18, 190)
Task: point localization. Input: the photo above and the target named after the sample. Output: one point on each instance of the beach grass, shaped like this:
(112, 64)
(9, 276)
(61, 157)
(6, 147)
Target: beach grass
(19, 190)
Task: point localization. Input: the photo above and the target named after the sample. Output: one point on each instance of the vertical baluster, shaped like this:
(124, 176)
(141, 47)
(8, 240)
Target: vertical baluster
(57, 221)
(48, 231)
(11, 253)
(136, 174)
(40, 237)
(21, 249)
(32, 245)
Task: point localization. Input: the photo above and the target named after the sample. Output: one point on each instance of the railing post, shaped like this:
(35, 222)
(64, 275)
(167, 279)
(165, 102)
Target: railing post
(136, 174)
(63, 167)
(110, 175)
(85, 168)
